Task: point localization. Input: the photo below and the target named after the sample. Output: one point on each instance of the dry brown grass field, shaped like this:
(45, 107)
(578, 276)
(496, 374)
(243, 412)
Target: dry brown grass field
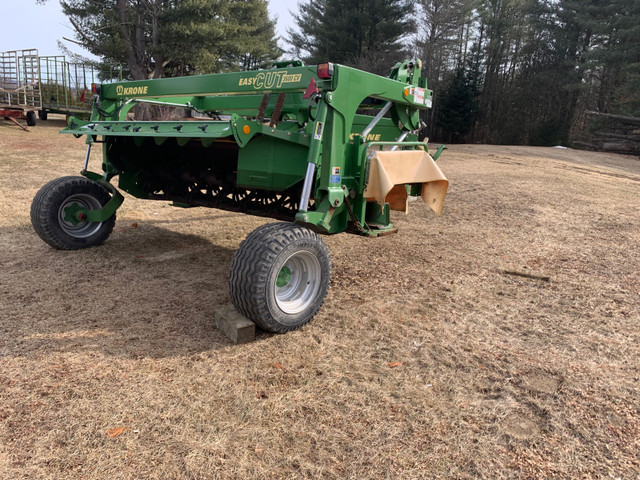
(434, 356)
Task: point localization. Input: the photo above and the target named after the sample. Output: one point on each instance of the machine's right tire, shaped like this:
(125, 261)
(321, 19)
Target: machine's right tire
(280, 276)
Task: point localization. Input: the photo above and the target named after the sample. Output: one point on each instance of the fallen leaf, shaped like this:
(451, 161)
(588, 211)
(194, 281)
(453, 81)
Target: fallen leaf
(115, 432)
(134, 225)
(278, 365)
(394, 364)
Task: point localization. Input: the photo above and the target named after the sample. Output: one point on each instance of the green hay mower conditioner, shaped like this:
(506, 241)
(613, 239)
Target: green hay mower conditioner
(325, 149)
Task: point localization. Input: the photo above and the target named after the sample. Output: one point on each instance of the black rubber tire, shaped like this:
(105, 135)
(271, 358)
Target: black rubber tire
(42, 114)
(256, 267)
(31, 118)
(46, 211)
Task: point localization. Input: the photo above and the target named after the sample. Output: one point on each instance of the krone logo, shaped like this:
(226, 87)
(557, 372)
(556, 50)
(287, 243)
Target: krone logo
(121, 90)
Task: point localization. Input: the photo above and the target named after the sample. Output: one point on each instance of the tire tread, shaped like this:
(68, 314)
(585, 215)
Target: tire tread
(250, 269)
(44, 212)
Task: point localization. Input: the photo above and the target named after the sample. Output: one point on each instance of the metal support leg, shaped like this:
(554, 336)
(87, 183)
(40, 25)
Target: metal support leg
(313, 155)
(86, 158)
(306, 189)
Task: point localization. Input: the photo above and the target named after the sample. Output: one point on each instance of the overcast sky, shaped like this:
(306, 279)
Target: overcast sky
(27, 25)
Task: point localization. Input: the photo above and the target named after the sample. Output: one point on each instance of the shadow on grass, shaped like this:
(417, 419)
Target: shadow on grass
(147, 292)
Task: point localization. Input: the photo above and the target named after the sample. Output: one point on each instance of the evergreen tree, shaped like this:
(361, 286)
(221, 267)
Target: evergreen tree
(252, 44)
(457, 107)
(613, 55)
(155, 38)
(352, 32)
(627, 96)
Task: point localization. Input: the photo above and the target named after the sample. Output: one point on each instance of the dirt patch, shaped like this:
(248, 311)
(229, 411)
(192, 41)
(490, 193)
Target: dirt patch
(520, 427)
(511, 323)
(541, 382)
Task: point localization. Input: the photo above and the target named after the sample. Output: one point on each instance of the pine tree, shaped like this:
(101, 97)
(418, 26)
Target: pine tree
(457, 107)
(352, 32)
(156, 38)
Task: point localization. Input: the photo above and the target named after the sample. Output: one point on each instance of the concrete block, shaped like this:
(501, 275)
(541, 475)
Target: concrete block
(234, 325)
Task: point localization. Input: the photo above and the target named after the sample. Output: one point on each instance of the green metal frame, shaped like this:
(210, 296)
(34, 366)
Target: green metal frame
(75, 214)
(313, 146)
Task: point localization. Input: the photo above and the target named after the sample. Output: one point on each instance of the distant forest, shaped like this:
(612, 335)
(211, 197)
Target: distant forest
(536, 72)
(503, 71)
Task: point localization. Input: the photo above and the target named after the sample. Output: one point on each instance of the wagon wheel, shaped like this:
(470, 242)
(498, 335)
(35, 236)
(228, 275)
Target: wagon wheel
(31, 118)
(280, 276)
(50, 213)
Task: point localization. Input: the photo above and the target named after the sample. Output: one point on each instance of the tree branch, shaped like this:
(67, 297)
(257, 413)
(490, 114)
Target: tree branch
(86, 39)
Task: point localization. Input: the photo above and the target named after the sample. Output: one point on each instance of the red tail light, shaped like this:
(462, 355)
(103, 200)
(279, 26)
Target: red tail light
(325, 70)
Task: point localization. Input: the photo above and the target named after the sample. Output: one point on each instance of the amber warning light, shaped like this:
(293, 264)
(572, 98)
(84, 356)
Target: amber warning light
(95, 88)
(325, 70)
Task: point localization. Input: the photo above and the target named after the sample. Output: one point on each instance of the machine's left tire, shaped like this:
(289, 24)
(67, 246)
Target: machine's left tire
(280, 276)
(48, 213)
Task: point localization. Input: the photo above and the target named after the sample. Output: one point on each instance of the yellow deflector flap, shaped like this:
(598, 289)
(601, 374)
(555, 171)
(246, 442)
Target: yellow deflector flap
(389, 172)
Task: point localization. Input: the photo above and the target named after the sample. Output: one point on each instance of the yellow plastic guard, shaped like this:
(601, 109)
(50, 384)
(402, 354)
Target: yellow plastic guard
(389, 172)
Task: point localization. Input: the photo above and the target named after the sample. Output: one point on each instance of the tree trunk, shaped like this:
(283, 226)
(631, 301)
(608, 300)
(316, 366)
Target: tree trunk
(137, 70)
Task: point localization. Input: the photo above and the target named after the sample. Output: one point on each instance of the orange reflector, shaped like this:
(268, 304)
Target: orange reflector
(246, 129)
(406, 92)
(325, 70)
